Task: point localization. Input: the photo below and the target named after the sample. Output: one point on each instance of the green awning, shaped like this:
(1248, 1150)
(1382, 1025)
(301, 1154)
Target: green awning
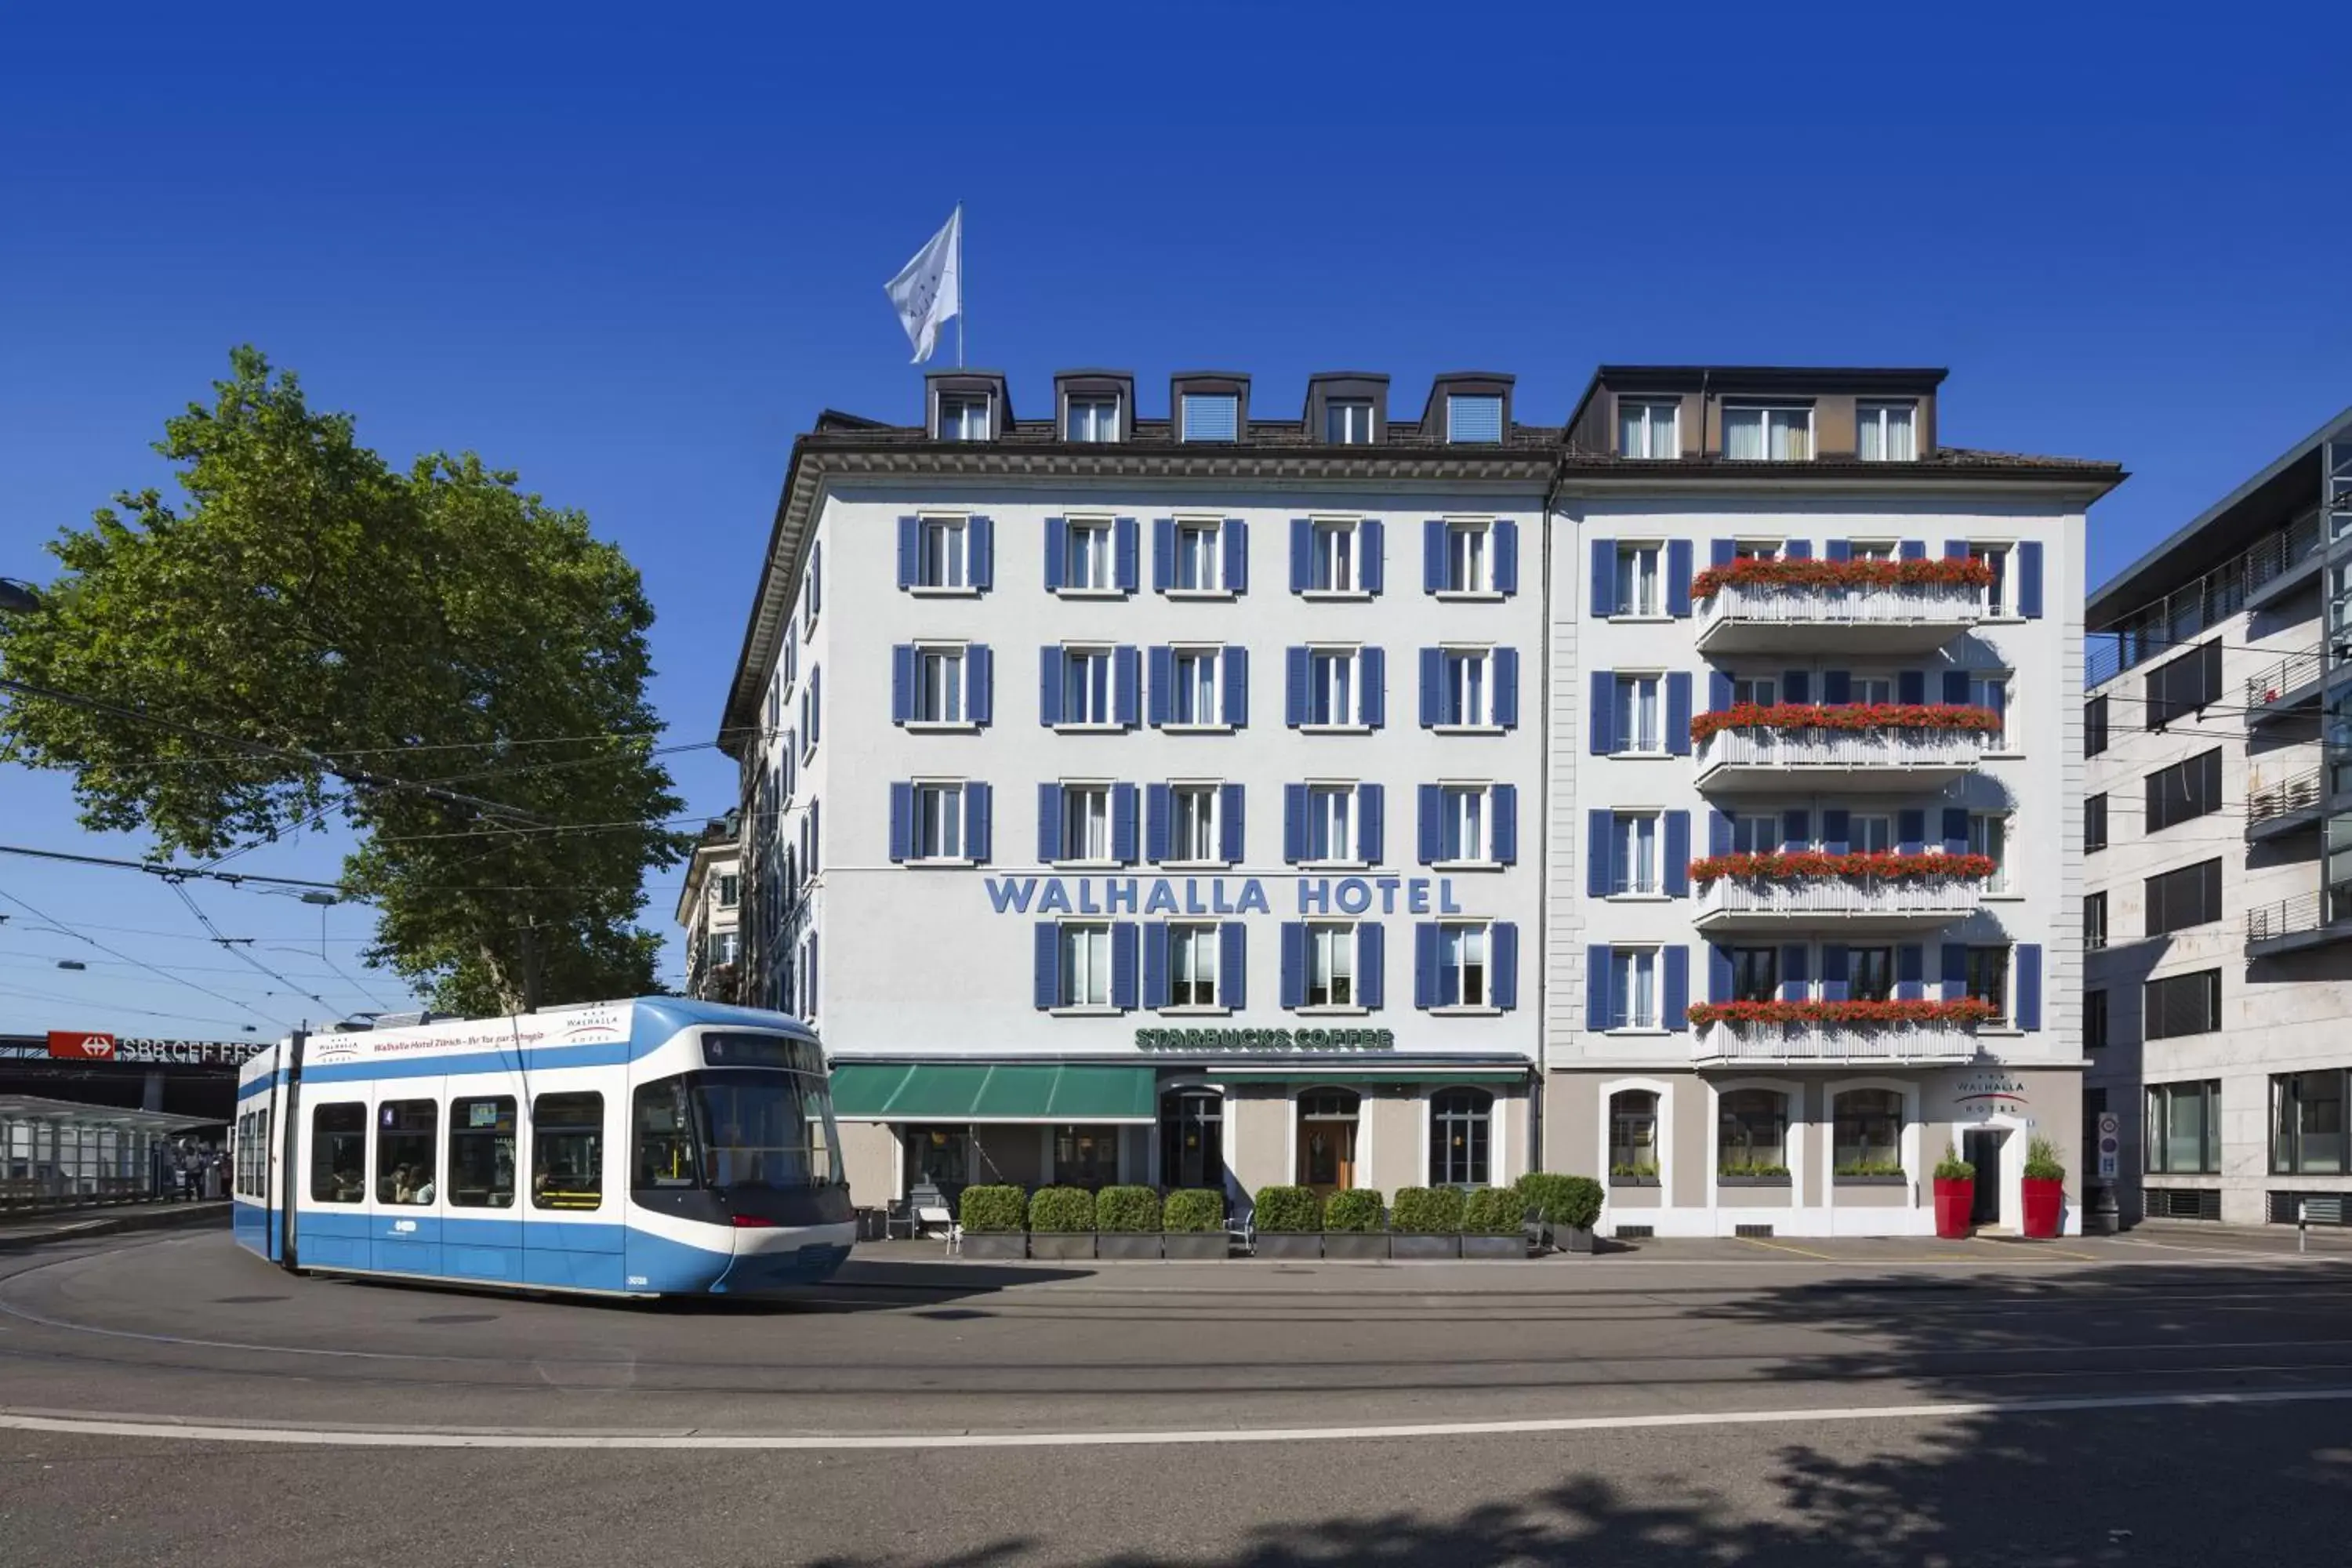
(902, 1091)
(1360, 1079)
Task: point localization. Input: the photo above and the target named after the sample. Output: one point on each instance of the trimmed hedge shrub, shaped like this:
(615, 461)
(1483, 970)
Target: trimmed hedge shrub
(1192, 1211)
(1572, 1203)
(1427, 1211)
(1062, 1210)
(989, 1210)
(1288, 1209)
(1127, 1210)
(1358, 1208)
(1494, 1211)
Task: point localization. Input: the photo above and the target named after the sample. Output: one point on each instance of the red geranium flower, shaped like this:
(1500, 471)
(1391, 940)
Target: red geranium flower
(1960, 1010)
(1945, 572)
(1847, 716)
(1820, 865)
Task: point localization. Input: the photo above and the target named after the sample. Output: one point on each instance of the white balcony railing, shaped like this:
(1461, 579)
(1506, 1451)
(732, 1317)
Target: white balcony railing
(1892, 749)
(1835, 1043)
(1751, 603)
(1954, 898)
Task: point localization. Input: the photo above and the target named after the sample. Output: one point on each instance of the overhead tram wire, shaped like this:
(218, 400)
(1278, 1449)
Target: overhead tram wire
(239, 945)
(17, 991)
(47, 919)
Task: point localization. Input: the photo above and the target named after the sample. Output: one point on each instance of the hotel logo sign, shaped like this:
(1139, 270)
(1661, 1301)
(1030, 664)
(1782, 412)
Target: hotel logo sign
(1219, 895)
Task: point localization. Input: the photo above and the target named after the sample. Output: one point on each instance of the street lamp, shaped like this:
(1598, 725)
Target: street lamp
(17, 597)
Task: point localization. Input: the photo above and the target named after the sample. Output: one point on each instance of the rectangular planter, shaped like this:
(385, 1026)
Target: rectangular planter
(1632, 1181)
(1291, 1245)
(1751, 1180)
(1195, 1246)
(1894, 1180)
(1419, 1247)
(1566, 1238)
(1356, 1245)
(1128, 1246)
(1061, 1246)
(995, 1246)
(1494, 1247)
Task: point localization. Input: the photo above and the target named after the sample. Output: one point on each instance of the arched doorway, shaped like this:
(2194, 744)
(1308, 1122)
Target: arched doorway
(1327, 1118)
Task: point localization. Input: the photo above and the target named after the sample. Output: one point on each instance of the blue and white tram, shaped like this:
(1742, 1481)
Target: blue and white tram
(653, 1147)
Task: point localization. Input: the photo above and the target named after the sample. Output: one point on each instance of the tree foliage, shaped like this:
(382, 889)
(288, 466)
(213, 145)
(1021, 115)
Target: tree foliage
(437, 626)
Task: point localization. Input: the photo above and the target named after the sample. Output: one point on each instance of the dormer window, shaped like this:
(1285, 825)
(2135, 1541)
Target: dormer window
(1473, 418)
(1348, 422)
(1093, 418)
(1648, 427)
(1768, 434)
(963, 417)
(1211, 416)
(1885, 432)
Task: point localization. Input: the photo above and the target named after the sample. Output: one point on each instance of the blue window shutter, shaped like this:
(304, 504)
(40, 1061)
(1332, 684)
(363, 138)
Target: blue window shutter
(1433, 555)
(1677, 854)
(1600, 840)
(1057, 544)
(902, 821)
(1719, 973)
(1956, 686)
(979, 825)
(1163, 554)
(1432, 674)
(1507, 556)
(1123, 944)
(2029, 594)
(1294, 963)
(1676, 1012)
(902, 683)
(1678, 712)
(1792, 971)
(1127, 549)
(1431, 837)
(1505, 990)
(1718, 832)
(1163, 678)
(1049, 686)
(1126, 678)
(1444, 985)
(1911, 830)
(1997, 698)
(1372, 687)
(1049, 822)
(1234, 540)
(979, 553)
(1155, 963)
(1797, 549)
(1599, 1006)
(1837, 829)
(1371, 828)
(1915, 550)
(1372, 962)
(1911, 686)
(1371, 554)
(1507, 687)
(1302, 553)
(1600, 714)
(1605, 578)
(980, 685)
(1505, 826)
(1837, 685)
(2029, 986)
(1955, 971)
(1834, 972)
(1718, 691)
(1159, 808)
(1232, 966)
(1796, 827)
(1231, 828)
(1294, 823)
(1956, 830)
(1839, 550)
(1122, 823)
(1235, 695)
(816, 703)
(1048, 972)
(1797, 686)
(909, 533)
(1721, 552)
(1678, 578)
(1910, 971)
(1296, 673)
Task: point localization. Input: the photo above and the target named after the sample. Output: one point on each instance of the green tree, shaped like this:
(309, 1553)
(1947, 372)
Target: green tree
(440, 626)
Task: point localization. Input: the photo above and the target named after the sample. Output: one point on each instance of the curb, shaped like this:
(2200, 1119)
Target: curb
(62, 1228)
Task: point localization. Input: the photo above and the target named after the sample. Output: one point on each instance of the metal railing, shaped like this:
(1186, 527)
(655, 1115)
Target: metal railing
(2300, 793)
(1954, 897)
(2274, 556)
(2304, 912)
(2291, 673)
(1843, 748)
(2172, 622)
(1933, 603)
(1944, 1043)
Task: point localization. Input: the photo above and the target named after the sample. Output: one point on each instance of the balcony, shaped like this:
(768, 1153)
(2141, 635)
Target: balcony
(1896, 757)
(1934, 1044)
(2286, 691)
(2309, 919)
(1856, 903)
(2281, 563)
(2294, 805)
(1905, 618)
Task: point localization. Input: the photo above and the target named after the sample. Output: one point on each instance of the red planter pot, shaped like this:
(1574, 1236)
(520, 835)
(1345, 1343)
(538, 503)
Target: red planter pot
(2044, 1195)
(1953, 1201)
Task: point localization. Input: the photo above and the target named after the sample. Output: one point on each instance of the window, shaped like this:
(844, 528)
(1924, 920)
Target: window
(1870, 834)
(1473, 416)
(663, 1137)
(730, 890)
(1347, 421)
(1086, 822)
(2307, 1123)
(2191, 896)
(1871, 691)
(1461, 951)
(1087, 566)
(405, 1136)
(1992, 692)
(2184, 1127)
(1883, 432)
(1192, 833)
(1633, 988)
(1330, 812)
(2184, 791)
(1211, 416)
(939, 822)
(2094, 1020)
(939, 686)
(1637, 580)
(1332, 556)
(2001, 595)
(2181, 687)
(1755, 833)
(1193, 699)
(1200, 562)
(1752, 1133)
(482, 1152)
(1988, 836)
(1462, 826)
(1191, 1139)
(2181, 1004)
(1085, 686)
(1755, 974)
(1466, 689)
(940, 556)
(963, 418)
(567, 1151)
(339, 1154)
(2095, 726)
(1753, 549)
(1987, 973)
(1459, 1124)
(1638, 726)
(1633, 1132)
(1330, 966)
(1330, 687)
(1769, 434)
(1867, 1132)
(1873, 549)
(1648, 429)
(2095, 921)
(1092, 419)
(1870, 974)
(1193, 966)
(1085, 966)
(1754, 690)
(1086, 1157)
(1633, 853)
(2095, 823)
(1469, 567)
(722, 947)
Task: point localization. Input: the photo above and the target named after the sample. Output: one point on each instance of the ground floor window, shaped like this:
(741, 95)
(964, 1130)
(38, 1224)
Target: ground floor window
(1085, 1156)
(1752, 1133)
(937, 1156)
(1460, 1120)
(2184, 1127)
(1191, 1139)
(2307, 1123)
(1326, 1138)
(1867, 1128)
(1633, 1132)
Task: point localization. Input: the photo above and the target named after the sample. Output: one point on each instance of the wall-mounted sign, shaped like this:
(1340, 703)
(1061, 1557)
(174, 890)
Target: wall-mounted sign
(1265, 1041)
(2111, 1143)
(1218, 895)
(1987, 1093)
(91, 1045)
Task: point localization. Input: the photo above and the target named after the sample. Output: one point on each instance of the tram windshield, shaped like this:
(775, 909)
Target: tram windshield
(736, 1129)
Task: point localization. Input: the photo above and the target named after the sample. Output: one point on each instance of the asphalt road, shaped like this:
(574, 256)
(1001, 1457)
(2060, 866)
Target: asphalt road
(1889, 1403)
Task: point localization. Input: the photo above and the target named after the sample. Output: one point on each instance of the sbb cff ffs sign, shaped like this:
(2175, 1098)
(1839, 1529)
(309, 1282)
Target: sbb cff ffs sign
(85, 1047)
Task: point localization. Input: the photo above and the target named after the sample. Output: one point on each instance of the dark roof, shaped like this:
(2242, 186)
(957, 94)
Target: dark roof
(1760, 378)
(1944, 462)
(1289, 433)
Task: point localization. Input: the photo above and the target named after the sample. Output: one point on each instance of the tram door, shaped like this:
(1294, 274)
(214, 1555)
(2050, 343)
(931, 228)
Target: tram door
(404, 1198)
(573, 1226)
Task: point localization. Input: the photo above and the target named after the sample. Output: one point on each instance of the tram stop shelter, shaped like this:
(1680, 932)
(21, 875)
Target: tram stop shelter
(59, 1154)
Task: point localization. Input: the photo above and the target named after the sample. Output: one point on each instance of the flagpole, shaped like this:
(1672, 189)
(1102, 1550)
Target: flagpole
(959, 285)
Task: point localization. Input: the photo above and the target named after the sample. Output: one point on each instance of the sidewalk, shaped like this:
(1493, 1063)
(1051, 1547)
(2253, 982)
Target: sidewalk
(73, 1224)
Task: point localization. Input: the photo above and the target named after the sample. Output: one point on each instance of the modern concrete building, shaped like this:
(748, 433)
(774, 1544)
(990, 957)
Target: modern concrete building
(709, 909)
(2219, 884)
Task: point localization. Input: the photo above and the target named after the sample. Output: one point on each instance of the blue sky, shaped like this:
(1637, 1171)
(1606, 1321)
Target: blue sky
(632, 258)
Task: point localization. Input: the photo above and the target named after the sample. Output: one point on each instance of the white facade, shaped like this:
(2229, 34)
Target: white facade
(710, 910)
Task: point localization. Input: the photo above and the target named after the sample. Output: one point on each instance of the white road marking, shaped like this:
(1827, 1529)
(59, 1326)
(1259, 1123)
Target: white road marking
(333, 1437)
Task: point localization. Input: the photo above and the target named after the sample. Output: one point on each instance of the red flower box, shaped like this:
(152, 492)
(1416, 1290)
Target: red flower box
(1944, 572)
(1964, 1010)
(1849, 716)
(1820, 865)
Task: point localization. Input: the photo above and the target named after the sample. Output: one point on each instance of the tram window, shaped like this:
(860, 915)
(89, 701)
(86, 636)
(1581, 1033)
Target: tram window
(482, 1152)
(404, 1151)
(664, 1136)
(338, 1153)
(567, 1151)
(261, 1154)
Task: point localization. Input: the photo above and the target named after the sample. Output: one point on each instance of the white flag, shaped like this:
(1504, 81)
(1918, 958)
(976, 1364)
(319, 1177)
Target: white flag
(926, 292)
